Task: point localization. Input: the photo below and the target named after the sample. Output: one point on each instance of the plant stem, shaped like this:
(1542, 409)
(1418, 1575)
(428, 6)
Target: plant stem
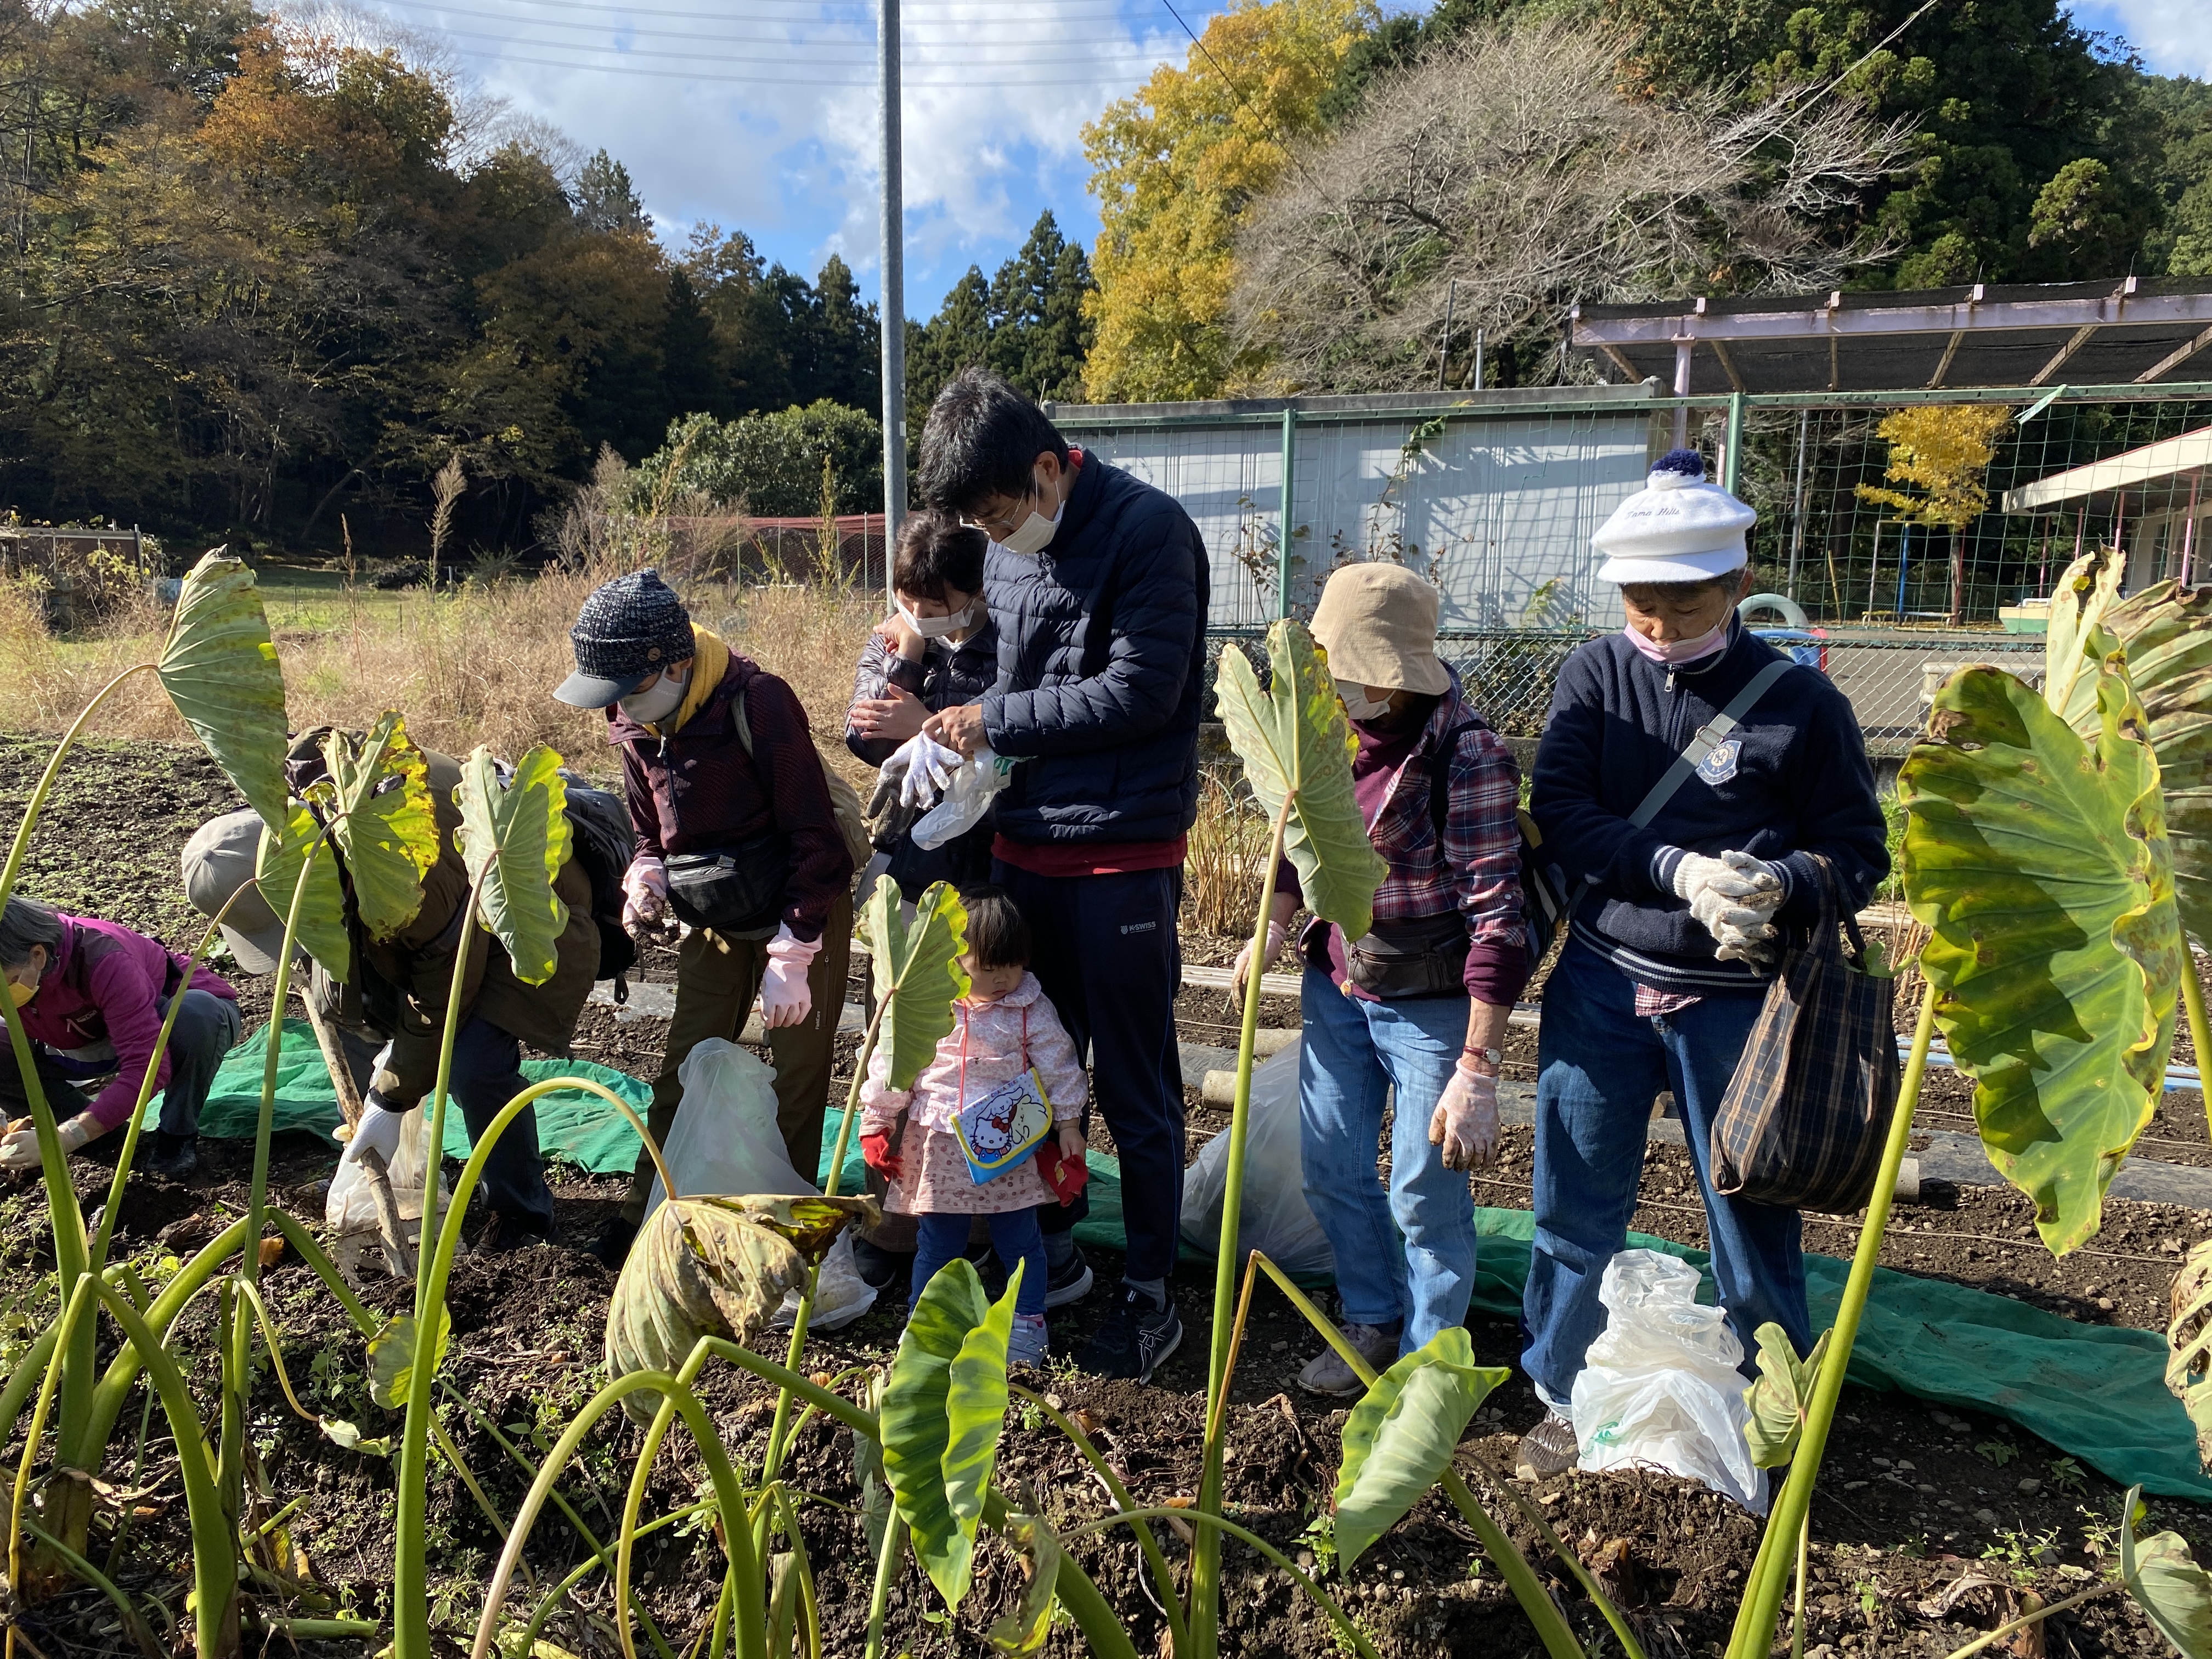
(134, 1625)
(2026, 1619)
(1797, 1624)
(889, 1559)
(1204, 1609)
(1770, 1574)
(2200, 1028)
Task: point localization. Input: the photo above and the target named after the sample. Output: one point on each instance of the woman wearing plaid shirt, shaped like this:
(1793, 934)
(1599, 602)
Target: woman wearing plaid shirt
(1421, 1002)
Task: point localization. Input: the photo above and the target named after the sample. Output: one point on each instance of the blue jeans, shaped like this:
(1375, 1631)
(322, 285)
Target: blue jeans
(1015, 1235)
(1600, 1068)
(1407, 1254)
(486, 1074)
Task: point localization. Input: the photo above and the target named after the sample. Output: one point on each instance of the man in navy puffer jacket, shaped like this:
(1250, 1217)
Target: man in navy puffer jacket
(1098, 583)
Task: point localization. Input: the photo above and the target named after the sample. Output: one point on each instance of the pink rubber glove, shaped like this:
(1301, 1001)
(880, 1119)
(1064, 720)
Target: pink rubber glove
(1464, 1122)
(1277, 936)
(785, 999)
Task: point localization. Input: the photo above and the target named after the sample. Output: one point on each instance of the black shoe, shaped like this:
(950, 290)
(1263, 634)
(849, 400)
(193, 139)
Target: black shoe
(878, 1265)
(1138, 1334)
(1069, 1282)
(505, 1232)
(612, 1246)
(171, 1157)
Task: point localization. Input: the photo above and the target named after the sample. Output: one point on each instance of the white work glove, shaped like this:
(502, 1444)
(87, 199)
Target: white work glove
(926, 767)
(1734, 897)
(785, 998)
(1277, 936)
(1464, 1122)
(378, 1130)
(19, 1148)
(967, 799)
(646, 911)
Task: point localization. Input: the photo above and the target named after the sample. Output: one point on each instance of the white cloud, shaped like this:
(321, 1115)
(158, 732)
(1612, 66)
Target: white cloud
(2169, 33)
(996, 96)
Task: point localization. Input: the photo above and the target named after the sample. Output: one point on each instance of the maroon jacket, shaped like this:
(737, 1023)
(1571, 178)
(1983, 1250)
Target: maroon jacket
(99, 1008)
(696, 789)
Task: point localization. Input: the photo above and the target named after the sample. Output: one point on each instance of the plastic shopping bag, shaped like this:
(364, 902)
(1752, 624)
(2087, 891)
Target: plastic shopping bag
(967, 797)
(725, 1141)
(1275, 1217)
(350, 1209)
(1660, 1386)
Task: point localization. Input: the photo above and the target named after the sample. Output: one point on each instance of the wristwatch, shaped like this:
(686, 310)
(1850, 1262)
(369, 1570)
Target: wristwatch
(1494, 1058)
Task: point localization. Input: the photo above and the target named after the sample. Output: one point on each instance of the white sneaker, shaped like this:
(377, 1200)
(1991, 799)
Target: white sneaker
(1326, 1373)
(1027, 1343)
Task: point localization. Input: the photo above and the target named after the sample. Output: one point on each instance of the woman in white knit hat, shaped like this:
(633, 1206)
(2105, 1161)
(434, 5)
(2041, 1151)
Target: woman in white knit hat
(1420, 1002)
(1675, 931)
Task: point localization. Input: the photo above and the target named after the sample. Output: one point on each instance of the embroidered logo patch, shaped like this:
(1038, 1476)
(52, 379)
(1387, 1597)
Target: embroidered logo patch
(1719, 764)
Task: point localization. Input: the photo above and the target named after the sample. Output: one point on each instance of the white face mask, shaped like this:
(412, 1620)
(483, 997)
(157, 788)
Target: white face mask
(657, 702)
(935, 628)
(1356, 703)
(1034, 533)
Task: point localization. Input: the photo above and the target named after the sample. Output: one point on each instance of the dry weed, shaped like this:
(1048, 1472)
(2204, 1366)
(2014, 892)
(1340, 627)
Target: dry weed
(474, 665)
(1226, 858)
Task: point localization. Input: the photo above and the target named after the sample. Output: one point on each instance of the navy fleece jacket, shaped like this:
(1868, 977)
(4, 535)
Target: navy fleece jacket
(1797, 783)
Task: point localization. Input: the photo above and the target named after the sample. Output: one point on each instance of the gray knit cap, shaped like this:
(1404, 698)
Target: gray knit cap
(629, 629)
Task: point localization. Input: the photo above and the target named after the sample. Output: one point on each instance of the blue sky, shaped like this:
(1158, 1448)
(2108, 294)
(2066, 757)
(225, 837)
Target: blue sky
(761, 116)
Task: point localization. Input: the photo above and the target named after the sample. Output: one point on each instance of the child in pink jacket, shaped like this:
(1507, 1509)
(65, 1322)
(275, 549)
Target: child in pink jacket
(1004, 1031)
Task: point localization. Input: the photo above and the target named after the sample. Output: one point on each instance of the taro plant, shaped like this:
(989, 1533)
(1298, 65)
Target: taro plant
(2038, 852)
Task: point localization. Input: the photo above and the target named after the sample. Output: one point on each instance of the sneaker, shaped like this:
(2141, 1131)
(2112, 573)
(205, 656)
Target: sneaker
(612, 1246)
(1326, 1373)
(1548, 1450)
(878, 1265)
(172, 1157)
(1026, 1344)
(1138, 1334)
(1069, 1282)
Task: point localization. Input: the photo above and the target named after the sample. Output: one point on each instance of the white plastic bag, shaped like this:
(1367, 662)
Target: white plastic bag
(725, 1141)
(966, 798)
(1661, 1387)
(1273, 1217)
(350, 1209)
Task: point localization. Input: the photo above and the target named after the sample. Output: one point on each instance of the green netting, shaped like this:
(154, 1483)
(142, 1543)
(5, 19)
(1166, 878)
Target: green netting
(573, 1127)
(2095, 1391)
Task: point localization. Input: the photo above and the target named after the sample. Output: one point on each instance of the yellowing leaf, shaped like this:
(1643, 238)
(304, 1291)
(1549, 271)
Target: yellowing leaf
(384, 822)
(391, 1356)
(321, 929)
(514, 840)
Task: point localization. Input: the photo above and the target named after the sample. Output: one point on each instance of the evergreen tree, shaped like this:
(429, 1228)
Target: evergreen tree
(689, 374)
(605, 199)
(850, 349)
(1038, 334)
(957, 337)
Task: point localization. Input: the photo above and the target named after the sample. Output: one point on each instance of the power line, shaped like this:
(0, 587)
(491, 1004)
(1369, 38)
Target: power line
(769, 61)
(966, 82)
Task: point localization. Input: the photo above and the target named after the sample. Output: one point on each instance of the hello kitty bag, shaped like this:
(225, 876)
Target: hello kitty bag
(999, 1129)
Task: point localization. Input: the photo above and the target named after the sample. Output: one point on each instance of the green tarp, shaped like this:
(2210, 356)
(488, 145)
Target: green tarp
(2096, 1392)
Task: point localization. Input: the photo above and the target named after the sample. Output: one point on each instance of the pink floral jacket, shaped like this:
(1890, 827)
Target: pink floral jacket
(986, 1045)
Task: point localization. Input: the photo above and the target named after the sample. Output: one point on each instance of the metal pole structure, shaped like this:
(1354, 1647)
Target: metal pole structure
(1478, 359)
(1683, 348)
(2189, 532)
(1443, 352)
(1283, 529)
(1732, 454)
(1797, 518)
(894, 299)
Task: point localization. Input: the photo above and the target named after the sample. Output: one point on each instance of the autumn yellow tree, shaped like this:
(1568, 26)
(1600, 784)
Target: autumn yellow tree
(1175, 166)
(1944, 451)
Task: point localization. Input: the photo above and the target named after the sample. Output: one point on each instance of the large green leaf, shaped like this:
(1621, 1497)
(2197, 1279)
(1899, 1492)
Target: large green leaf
(219, 667)
(714, 1267)
(1779, 1399)
(1021, 1633)
(942, 1415)
(321, 931)
(2040, 865)
(1295, 740)
(2174, 1593)
(2079, 603)
(514, 841)
(2167, 632)
(917, 966)
(1400, 1438)
(383, 820)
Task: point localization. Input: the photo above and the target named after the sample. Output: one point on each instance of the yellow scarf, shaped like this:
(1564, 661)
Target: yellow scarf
(710, 661)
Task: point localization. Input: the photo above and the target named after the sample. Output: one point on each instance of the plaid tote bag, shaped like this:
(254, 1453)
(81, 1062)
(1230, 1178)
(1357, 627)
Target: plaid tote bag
(1805, 1116)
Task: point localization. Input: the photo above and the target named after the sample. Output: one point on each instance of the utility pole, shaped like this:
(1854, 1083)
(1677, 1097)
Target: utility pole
(894, 298)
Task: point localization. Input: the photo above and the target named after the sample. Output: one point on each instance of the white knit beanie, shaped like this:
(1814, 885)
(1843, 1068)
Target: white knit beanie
(1678, 528)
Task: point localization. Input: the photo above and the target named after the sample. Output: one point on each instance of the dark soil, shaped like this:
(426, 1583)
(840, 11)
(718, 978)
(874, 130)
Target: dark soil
(1931, 1526)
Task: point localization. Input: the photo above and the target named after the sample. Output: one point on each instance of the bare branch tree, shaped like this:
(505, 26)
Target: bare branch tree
(1508, 175)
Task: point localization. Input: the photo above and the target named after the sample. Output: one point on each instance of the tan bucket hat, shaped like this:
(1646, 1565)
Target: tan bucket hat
(1378, 623)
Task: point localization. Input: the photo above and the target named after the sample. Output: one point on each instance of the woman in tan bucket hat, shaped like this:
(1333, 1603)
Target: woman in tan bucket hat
(1420, 1002)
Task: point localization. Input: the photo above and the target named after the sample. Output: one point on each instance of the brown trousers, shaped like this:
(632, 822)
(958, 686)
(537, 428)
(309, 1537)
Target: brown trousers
(716, 981)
